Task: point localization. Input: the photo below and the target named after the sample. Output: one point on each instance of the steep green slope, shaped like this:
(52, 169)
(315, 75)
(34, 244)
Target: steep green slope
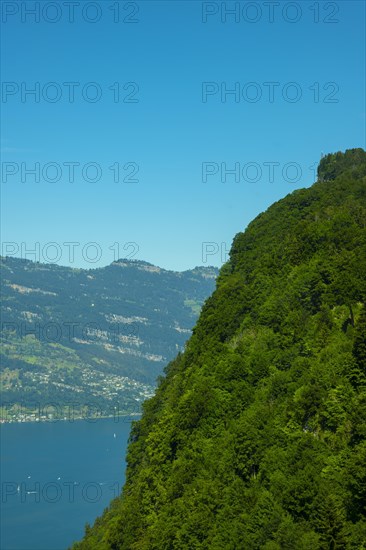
(97, 338)
(255, 438)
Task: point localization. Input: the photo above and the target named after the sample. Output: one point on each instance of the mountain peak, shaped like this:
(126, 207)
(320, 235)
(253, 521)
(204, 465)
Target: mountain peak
(334, 164)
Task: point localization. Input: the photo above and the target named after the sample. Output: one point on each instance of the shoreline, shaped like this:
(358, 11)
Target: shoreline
(91, 419)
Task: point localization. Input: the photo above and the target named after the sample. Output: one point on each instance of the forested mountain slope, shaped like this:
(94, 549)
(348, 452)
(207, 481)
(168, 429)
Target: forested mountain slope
(255, 438)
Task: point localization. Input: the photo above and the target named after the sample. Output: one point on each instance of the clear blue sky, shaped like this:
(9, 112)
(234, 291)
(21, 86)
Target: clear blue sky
(172, 129)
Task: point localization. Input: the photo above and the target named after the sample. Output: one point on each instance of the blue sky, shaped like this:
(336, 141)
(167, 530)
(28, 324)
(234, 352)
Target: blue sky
(176, 136)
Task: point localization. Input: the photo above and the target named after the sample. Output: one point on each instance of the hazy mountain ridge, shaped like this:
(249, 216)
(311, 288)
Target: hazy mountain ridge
(67, 330)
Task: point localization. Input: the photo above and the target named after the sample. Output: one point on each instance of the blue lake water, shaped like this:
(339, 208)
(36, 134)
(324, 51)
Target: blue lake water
(56, 477)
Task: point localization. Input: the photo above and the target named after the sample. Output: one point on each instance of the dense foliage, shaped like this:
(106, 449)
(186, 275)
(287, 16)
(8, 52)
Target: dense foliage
(331, 166)
(255, 438)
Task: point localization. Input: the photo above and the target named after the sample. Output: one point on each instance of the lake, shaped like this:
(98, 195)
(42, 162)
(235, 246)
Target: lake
(57, 476)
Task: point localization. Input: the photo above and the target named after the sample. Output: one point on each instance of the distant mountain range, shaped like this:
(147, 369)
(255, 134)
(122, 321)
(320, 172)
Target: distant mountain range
(91, 341)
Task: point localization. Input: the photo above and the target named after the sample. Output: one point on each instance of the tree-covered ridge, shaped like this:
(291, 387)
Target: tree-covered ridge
(334, 164)
(255, 438)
